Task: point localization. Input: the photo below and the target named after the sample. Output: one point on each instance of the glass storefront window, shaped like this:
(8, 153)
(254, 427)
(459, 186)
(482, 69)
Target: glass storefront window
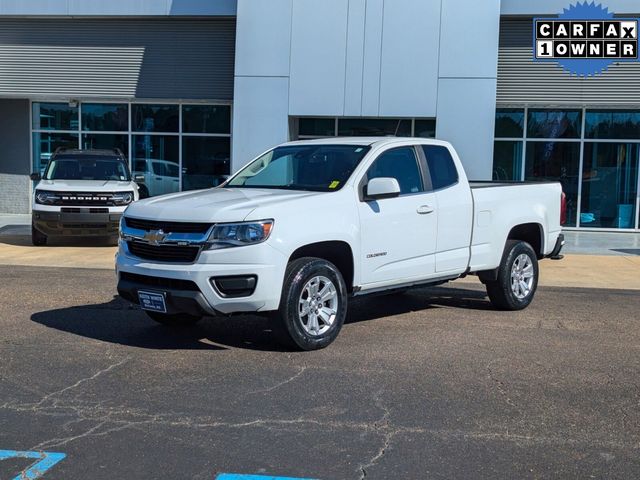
(155, 118)
(317, 127)
(425, 128)
(609, 185)
(509, 122)
(364, 127)
(612, 124)
(205, 160)
(157, 159)
(44, 144)
(556, 161)
(54, 116)
(106, 141)
(554, 123)
(507, 160)
(206, 119)
(106, 117)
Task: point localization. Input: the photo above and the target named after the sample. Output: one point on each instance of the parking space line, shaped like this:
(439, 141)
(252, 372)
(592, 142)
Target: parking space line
(239, 476)
(46, 460)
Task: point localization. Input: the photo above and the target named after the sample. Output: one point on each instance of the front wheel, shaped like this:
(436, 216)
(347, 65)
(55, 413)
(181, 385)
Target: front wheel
(517, 279)
(313, 305)
(173, 320)
(38, 238)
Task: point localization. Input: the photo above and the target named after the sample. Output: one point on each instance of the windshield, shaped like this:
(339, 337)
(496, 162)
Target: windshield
(92, 167)
(322, 168)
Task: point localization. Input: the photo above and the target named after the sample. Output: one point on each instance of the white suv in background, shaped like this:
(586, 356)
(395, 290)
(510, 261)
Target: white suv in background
(81, 193)
(157, 177)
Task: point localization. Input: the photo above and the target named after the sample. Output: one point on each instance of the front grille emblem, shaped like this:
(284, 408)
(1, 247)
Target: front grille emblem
(155, 237)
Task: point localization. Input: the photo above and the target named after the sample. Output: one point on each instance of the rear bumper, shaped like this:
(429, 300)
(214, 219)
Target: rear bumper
(82, 223)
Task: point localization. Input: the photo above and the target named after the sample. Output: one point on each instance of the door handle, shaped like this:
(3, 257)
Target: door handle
(424, 209)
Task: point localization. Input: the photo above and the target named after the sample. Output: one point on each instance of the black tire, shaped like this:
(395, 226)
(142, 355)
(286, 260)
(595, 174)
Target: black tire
(143, 191)
(500, 291)
(288, 323)
(38, 238)
(173, 320)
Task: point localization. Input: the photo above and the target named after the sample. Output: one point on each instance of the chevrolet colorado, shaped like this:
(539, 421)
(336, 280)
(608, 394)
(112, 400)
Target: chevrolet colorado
(310, 223)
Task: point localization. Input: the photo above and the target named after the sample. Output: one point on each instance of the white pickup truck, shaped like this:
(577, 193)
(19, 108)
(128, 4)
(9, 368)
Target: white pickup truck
(308, 224)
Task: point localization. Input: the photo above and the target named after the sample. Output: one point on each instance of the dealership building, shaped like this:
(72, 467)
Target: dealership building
(192, 90)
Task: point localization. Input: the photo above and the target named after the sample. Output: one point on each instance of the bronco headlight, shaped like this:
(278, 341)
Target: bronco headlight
(226, 235)
(122, 198)
(46, 198)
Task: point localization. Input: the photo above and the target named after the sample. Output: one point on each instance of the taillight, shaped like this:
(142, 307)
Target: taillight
(563, 209)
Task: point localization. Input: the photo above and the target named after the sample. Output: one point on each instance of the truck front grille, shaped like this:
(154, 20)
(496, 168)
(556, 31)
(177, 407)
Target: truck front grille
(164, 253)
(167, 227)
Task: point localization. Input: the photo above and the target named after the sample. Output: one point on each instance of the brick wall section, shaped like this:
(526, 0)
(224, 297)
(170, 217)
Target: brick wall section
(15, 164)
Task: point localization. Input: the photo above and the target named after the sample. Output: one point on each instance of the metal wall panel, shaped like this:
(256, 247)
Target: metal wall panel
(117, 58)
(522, 81)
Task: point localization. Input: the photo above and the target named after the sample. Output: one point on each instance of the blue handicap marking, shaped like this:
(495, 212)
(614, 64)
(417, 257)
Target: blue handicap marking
(45, 460)
(237, 476)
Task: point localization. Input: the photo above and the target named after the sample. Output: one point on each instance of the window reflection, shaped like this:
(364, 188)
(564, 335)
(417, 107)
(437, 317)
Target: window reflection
(507, 160)
(509, 122)
(156, 159)
(556, 161)
(613, 124)
(609, 185)
(554, 123)
(205, 161)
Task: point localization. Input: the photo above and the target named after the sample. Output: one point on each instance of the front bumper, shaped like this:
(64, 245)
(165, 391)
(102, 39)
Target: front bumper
(82, 222)
(196, 288)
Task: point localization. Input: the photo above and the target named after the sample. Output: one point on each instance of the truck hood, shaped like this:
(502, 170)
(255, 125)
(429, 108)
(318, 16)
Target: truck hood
(212, 205)
(84, 186)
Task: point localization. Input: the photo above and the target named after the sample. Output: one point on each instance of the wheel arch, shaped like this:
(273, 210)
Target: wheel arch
(337, 252)
(532, 233)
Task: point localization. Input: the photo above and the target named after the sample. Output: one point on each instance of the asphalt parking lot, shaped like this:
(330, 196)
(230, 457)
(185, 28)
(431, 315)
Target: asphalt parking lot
(428, 384)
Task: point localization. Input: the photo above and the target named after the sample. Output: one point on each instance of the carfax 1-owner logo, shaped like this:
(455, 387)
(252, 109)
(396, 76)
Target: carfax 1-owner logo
(585, 39)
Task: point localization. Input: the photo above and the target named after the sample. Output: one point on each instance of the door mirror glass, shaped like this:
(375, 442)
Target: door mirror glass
(382, 187)
(35, 176)
(138, 178)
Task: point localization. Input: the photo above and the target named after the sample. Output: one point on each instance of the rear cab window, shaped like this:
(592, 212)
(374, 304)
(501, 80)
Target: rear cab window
(441, 167)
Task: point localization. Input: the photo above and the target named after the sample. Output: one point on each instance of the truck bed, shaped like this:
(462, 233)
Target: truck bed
(500, 205)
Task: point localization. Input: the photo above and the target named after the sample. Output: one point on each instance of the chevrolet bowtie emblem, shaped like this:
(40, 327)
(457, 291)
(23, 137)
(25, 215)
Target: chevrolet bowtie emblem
(155, 237)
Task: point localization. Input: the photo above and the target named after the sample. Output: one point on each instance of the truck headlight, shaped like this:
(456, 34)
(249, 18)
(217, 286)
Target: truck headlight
(226, 235)
(122, 198)
(44, 197)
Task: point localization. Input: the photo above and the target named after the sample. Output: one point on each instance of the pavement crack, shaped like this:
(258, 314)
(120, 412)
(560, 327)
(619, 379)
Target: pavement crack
(57, 393)
(279, 384)
(499, 384)
(383, 426)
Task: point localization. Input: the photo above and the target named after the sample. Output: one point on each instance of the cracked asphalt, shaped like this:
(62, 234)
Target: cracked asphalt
(423, 385)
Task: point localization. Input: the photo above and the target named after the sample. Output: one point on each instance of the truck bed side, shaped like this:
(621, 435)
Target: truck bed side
(500, 207)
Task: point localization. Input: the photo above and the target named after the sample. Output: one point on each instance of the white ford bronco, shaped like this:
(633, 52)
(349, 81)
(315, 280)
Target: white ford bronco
(308, 224)
(81, 193)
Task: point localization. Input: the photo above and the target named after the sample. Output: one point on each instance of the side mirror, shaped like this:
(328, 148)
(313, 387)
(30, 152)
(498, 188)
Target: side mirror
(36, 177)
(382, 187)
(138, 178)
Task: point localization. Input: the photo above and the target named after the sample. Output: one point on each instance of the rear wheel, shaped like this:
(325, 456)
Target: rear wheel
(173, 320)
(313, 304)
(517, 280)
(38, 238)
